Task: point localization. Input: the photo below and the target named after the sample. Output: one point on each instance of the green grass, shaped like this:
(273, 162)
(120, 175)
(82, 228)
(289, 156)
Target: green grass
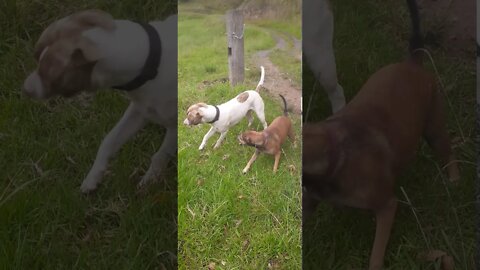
(47, 148)
(235, 221)
(369, 35)
(289, 26)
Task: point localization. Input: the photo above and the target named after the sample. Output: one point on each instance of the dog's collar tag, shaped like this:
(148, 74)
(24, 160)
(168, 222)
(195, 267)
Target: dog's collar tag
(150, 69)
(217, 115)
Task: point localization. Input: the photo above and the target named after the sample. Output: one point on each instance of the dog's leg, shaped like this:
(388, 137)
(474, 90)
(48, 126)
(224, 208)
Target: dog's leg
(254, 157)
(309, 204)
(384, 220)
(220, 139)
(437, 137)
(161, 158)
(249, 118)
(277, 160)
(129, 124)
(261, 116)
(318, 50)
(291, 136)
(206, 137)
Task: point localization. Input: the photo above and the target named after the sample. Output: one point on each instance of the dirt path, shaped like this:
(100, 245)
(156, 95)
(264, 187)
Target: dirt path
(276, 82)
(451, 24)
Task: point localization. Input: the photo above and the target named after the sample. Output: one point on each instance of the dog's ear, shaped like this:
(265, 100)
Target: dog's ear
(72, 26)
(202, 105)
(87, 50)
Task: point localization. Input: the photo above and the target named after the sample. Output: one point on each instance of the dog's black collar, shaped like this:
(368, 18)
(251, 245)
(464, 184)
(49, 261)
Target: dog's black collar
(217, 115)
(150, 69)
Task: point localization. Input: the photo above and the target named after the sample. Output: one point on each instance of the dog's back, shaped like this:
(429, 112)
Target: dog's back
(396, 101)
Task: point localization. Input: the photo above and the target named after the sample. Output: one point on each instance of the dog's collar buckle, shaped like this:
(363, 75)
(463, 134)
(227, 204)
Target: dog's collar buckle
(150, 69)
(217, 115)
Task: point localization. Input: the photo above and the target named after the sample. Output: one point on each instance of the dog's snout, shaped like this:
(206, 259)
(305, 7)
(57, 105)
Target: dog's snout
(33, 87)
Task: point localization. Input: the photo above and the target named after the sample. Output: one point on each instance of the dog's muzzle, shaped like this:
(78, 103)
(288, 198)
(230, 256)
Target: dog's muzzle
(240, 140)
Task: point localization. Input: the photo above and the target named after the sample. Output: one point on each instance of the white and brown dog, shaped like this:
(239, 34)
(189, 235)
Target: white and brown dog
(90, 50)
(228, 114)
(317, 42)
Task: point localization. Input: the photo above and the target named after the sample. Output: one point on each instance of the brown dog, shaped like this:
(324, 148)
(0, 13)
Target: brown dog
(270, 140)
(352, 158)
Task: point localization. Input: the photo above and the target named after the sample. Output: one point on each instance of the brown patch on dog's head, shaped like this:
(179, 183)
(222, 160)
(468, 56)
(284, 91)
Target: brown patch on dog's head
(195, 114)
(252, 138)
(71, 27)
(66, 58)
(242, 97)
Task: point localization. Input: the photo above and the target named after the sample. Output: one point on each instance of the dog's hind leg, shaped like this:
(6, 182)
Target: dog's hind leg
(160, 159)
(384, 219)
(129, 124)
(249, 118)
(220, 139)
(318, 50)
(436, 135)
(206, 137)
(259, 111)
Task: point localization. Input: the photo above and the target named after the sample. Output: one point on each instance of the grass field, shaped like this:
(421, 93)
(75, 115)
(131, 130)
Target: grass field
(228, 219)
(342, 238)
(47, 148)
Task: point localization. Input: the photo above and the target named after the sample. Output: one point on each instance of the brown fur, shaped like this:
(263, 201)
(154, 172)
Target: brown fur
(353, 157)
(66, 67)
(268, 141)
(194, 114)
(242, 97)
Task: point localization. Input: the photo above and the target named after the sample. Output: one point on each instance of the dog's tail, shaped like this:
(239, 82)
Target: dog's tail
(285, 111)
(416, 40)
(262, 78)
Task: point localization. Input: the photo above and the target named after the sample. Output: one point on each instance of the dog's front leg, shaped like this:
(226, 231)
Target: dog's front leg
(277, 160)
(219, 141)
(254, 157)
(384, 220)
(161, 158)
(206, 137)
(129, 124)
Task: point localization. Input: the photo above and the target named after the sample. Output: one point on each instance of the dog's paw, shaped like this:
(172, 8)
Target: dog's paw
(88, 187)
(244, 171)
(201, 147)
(216, 146)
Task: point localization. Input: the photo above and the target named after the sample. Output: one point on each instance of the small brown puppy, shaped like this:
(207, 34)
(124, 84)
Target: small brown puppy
(270, 140)
(353, 157)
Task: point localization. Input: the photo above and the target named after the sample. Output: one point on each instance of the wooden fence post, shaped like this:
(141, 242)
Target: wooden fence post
(236, 69)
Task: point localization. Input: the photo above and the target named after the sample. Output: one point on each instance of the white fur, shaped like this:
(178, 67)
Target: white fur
(231, 112)
(317, 40)
(123, 54)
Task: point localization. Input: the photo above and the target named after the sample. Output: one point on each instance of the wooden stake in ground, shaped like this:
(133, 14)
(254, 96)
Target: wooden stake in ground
(235, 28)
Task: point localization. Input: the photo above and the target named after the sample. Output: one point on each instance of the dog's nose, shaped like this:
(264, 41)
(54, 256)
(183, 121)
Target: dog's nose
(32, 87)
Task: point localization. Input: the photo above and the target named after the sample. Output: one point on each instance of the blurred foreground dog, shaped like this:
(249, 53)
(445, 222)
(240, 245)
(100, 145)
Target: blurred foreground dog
(90, 50)
(353, 157)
